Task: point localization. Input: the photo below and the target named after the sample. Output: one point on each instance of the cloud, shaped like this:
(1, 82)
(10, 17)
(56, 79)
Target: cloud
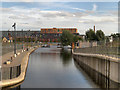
(60, 0)
(79, 9)
(27, 0)
(17, 0)
(57, 14)
(35, 18)
(24, 23)
(98, 19)
(114, 13)
(94, 7)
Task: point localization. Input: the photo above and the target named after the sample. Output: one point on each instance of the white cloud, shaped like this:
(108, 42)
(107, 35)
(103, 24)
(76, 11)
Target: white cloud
(17, 0)
(60, 0)
(74, 15)
(79, 9)
(52, 12)
(98, 19)
(94, 7)
(35, 19)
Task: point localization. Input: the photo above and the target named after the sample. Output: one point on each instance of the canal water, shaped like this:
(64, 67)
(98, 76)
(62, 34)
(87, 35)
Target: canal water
(55, 68)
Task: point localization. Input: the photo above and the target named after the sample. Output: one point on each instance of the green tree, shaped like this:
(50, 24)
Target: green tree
(75, 38)
(90, 35)
(107, 39)
(116, 36)
(100, 36)
(66, 38)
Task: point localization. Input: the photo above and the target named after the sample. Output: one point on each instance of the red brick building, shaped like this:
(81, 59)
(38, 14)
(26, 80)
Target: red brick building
(53, 34)
(58, 30)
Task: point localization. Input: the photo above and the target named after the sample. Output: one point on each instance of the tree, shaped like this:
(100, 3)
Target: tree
(116, 36)
(66, 38)
(90, 35)
(75, 38)
(100, 36)
(107, 39)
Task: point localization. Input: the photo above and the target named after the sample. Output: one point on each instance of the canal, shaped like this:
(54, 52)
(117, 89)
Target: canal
(55, 68)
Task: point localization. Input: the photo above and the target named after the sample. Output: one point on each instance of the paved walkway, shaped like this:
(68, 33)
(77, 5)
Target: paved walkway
(22, 59)
(15, 60)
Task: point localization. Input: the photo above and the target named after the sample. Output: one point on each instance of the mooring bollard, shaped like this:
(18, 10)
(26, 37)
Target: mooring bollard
(18, 53)
(15, 55)
(11, 58)
(27, 49)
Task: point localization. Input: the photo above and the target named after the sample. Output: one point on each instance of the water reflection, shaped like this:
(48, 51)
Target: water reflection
(66, 56)
(97, 77)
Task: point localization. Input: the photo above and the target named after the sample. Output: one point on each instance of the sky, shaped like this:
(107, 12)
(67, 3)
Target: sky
(80, 15)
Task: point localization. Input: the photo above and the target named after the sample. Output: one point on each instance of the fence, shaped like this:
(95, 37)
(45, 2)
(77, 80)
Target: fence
(13, 72)
(110, 49)
(10, 72)
(9, 47)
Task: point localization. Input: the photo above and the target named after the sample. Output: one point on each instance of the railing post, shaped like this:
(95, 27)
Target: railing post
(17, 72)
(10, 72)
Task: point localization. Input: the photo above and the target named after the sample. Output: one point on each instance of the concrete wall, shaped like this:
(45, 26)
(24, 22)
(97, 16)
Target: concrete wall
(85, 44)
(110, 51)
(10, 72)
(104, 71)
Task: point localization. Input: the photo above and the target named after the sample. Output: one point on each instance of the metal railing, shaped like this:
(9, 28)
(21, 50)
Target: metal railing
(9, 47)
(10, 72)
(111, 49)
(15, 71)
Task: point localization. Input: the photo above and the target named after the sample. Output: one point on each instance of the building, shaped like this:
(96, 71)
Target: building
(45, 35)
(7, 39)
(58, 30)
(53, 34)
(4, 39)
(20, 34)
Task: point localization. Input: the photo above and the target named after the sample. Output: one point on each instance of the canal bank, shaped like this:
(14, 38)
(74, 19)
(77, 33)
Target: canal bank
(104, 70)
(23, 67)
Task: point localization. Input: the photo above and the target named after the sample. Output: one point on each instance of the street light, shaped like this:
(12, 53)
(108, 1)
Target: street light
(14, 26)
(22, 40)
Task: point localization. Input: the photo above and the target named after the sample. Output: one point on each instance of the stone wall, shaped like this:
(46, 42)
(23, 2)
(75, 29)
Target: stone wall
(104, 72)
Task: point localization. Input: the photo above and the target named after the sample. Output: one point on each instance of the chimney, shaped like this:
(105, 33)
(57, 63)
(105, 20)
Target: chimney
(94, 28)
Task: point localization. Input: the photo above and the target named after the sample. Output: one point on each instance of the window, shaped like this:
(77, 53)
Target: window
(58, 30)
(48, 30)
(75, 30)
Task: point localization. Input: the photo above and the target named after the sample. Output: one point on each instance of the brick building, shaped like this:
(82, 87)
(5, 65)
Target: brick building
(53, 34)
(20, 35)
(45, 35)
(58, 30)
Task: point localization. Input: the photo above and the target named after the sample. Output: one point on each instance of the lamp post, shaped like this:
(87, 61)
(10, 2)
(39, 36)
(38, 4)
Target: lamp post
(22, 40)
(14, 26)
